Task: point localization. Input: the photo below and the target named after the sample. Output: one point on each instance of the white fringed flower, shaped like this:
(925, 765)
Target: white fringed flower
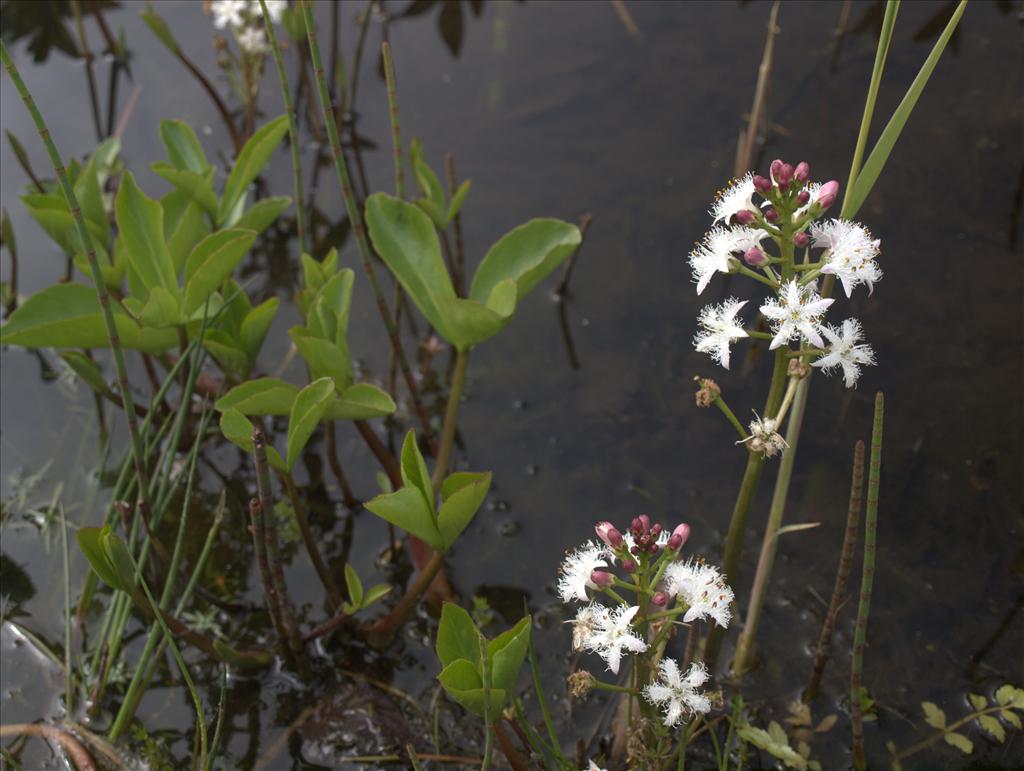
(712, 254)
(275, 9)
(677, 693)
(846, 351)
(851, 253)
(797, 312)
(576, 570)
(588, 622)
(734, 199)
(228, 13)
(253, 40)
(765, 437)
(703, 589)
(719, 327)
(615, 635)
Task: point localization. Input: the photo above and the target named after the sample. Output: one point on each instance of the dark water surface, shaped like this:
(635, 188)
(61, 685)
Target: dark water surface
(554, 108)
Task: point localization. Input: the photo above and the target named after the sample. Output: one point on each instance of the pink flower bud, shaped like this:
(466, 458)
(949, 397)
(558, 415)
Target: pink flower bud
(775, 168)
(771, 215)
(754, 257)
(660, 599)
(606, 532)
(785, 175)
(761, 184)
(744, 216)
(803, 197)
(645, 522)
(802, 173)
(827, 194)
(628, 565)
(656, 529)
(683, 532)
(601, 578)
(801, 240)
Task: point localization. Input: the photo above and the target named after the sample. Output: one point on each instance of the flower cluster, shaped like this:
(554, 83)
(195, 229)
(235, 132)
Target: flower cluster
(244, 18)
(666, 588)
(790, 215)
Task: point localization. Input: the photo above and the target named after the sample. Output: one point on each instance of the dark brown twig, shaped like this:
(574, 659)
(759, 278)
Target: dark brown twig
(347, 497)
(563, 286)
(843, 573)
(333, 595)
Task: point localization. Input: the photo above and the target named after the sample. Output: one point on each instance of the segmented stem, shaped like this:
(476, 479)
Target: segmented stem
(396, 132)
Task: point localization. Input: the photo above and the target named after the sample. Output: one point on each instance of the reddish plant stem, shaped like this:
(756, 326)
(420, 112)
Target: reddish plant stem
(263, 567)
(348, 498)
(78, 754)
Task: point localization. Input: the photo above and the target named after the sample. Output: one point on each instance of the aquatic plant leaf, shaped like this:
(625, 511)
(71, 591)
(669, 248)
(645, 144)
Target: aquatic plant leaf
(470, 323)
(90, 198)
(325, 358)
(873, 166)
(263, 396)
(993, 727)
(91, 543)
(312, 273)
(354, 585)
(461, 674)
(52, 213)
(120, 559)
(405, 239)
(978, 701)
(455, 204)
(183, 148)
(457, 636)
(459, 509)
(262, 214)
(161, 309)
(306, 412)
(69, 316)
(223, 348)
(159, 28)
(360, 402)
(775, 745)
(526, 254)
(405, 508)
(198, 186)
(140, 221)
(87, 369)
(211, 262)
(250, 163)
(1011, 717)
(933, 715)
(255, 326)
(433, 201)
(414, 470)
(237, 429)
(336, 294)
(507, 652)
(456, 481)
(184, 227)
(463, 683)
(1010, 696)
(375, 593)
(961, 742)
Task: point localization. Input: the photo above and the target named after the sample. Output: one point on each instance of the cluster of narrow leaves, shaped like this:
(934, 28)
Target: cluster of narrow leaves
(775, 742)
(478, 673)
(413, 507)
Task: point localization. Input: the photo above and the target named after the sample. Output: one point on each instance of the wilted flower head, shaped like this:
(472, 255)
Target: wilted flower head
(676, 693)
(846, 351)
(765, 437)
(586, 624)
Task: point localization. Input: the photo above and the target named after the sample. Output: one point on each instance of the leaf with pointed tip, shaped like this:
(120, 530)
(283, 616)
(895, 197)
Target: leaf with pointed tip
(459, 683)
(182, 145)
(263, 396)
(325, 359)
(161, 309)
(405, 239)
(461, 506)
(159, 28)
(414, 469)
(457, 636)
(375, 593)
(91, 543)
(507, 652)
(455, 204)
(120, 559)
(88, 370)
(90, 198)
(198, 186)
(354, 585)
(307, 409)
(212, 262)
(237, 429)
(361, 401)
(255, 326)
(470, 323)
(140, 221)
(526, 254)
(69, 316)
(250, 163)
(184, 227)
(261, 215)
(336, 294)
(405, 508)
(224, 349)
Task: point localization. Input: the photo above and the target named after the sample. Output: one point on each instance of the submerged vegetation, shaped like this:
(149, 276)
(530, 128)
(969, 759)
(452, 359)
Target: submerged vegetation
(159, 321)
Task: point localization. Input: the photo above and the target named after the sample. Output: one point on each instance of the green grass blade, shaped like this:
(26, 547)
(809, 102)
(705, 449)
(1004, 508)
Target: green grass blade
(883, 147)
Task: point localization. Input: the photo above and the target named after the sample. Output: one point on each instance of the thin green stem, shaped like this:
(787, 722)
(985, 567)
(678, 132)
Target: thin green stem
(759, 335)
(766, 280)
(731, 416)
(301, 223)
(602, 686)
(451, 417)
(356, 218)
(69, 686)
(867, 581)
(485, 663)
(396, 133)
(383, 630)
(94, 266)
